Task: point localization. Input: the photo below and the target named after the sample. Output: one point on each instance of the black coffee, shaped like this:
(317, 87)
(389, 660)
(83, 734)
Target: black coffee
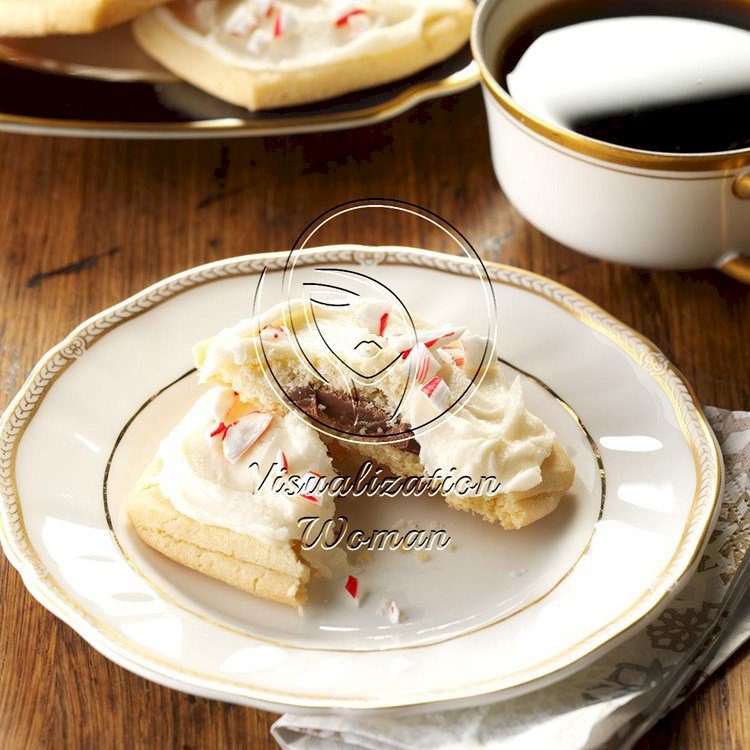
(668, 76)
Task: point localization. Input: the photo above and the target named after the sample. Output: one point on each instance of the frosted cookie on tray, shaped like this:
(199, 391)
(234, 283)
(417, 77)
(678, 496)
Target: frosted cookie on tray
(420, 399)
(263, 54)
(45, 17)
(208, 499)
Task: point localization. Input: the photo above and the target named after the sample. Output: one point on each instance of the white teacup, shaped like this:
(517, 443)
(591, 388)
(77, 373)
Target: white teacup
(653, 210)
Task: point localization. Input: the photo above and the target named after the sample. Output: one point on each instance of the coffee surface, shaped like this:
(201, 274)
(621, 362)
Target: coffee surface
(638, 74)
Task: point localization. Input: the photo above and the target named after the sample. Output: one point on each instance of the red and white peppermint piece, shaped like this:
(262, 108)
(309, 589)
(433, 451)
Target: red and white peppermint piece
(353, 589)
(373, 315)
(383, 324)
(441, 338)
(259, 41)
(243, 434)
(220, 430)
(394, 613)
(457, 355)
(310, 489)
(432, 339)
(281, 460)
(285, 22)
(358, 22)
(241, 22)
(475, 350)
(273, 333)
(223, 403)
(422, 364)
(349, 18)
(438, 392)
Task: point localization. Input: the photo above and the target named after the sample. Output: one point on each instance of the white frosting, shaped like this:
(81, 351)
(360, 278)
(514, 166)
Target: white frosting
(494, 435)
(291, 34)
(488, 432)
(203, 485)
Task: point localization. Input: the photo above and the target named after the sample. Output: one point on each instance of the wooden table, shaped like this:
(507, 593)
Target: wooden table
(85, 223)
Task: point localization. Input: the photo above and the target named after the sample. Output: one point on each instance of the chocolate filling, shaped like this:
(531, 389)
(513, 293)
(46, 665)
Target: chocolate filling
(346, 413)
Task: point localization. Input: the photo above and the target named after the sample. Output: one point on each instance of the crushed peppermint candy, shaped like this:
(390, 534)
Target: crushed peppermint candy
(424, 365)
(383, 324)
(286, 22)
(475, 349)
(457, 355)
(258, 43)
(394, 613)
(281, 460)
(438, 392)
(241, 22)
(432, 339)
(244, 433)
(442, 338)
(272, 333)
(310, 493)
(453, 353)
(353, 589)
(373, 315)
(223, 403)
(347, 18)
(359, 22)
(221, 430)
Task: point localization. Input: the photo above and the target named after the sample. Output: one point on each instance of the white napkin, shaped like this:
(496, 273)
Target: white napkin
(615, 700)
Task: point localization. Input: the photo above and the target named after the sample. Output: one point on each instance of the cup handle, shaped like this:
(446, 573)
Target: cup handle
(736, 266)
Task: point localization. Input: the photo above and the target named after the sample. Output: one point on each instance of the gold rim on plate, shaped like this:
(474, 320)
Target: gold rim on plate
(42, 584)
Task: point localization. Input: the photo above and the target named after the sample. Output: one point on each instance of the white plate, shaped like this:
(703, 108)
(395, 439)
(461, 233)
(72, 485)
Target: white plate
(501, 613)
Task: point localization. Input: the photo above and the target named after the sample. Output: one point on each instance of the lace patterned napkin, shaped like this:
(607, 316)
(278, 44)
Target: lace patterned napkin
(615, 700)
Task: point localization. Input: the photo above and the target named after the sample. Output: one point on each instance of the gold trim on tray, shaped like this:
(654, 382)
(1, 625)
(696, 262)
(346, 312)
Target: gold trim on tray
(231, 126)
(590, 147)
(48, 591)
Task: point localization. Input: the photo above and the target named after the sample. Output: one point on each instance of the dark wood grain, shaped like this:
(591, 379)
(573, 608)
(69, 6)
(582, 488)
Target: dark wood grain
(85, 223)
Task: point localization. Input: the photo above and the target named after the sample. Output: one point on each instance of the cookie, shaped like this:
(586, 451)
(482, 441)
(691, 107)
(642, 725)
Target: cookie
(271, 572)
(422, 399)
(45, 17)
(216, 498)
(263, 55)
